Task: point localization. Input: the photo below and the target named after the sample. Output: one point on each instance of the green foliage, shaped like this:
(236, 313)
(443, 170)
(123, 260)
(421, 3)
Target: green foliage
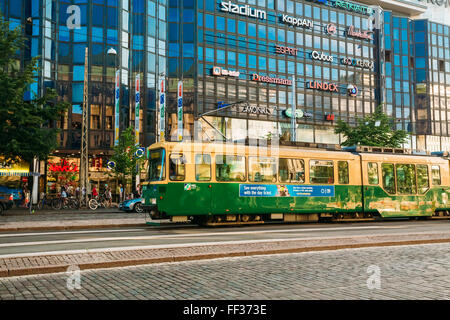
(25, 125)
(124, 156)
(373, 130)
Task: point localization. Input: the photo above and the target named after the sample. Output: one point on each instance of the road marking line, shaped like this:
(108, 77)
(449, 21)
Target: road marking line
(193, 235)
(65, 232)
(196, 244)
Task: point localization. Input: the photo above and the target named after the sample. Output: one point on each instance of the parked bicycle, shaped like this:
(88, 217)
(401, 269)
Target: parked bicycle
(99, 201)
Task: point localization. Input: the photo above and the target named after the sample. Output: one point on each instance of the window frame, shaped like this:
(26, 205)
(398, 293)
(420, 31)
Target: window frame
(257, 158)
(419, 191)
(394, 178)
(244, 179)
(183, 163)
(339, 172)
(289, 180)
(311, 177)
(368, 174)
(415, 179)
(197, 164)
(440, 176)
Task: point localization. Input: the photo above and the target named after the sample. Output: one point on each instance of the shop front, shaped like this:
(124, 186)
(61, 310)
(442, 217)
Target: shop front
(65, 172)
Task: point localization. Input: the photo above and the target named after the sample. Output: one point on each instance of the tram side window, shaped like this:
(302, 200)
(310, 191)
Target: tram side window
(230, 168)
(292, 170)
(422, 178)
(387, 170)
(262, 169)
(343, 172)
(177, 167)
(436, 175)
(372, 171)
(406, 178)
(203, 167)
(321, 171)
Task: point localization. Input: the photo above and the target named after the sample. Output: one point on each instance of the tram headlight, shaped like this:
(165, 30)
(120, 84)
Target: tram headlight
(153, 200)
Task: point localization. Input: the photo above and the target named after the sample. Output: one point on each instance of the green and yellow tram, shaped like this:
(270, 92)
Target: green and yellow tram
(217, 184)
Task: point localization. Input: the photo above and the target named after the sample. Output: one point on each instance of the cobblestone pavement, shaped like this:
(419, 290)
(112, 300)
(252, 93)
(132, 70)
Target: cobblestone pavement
(405, 272)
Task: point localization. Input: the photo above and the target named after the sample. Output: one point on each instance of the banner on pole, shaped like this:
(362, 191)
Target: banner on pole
(180, 110)
(117, 107)
(162, 109)
(138, 103)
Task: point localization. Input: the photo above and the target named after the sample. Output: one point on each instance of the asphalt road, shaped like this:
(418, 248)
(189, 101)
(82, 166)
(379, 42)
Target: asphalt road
(26, 243)
(403, 272)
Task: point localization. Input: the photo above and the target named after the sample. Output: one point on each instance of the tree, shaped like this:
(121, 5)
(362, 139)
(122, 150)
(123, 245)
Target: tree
(124, 157)
(25, 126)
(373, 130)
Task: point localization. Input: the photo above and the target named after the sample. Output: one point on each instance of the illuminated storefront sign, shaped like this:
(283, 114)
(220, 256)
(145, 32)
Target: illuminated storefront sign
(357, 63)
(321, 56)
(323, 86)
(243, 10)
(218, 71)
(286, 50)
(63, 166)
(257, 110)
(349, 6)
(366, 35)
(257, 77)
(298, 113)
(352, 90)
(296, 22)
(331, 29)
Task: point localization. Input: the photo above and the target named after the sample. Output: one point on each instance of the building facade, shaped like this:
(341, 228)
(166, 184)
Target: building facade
(331, 59)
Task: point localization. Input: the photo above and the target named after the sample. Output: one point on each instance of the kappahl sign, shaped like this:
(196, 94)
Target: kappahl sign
(243, 10)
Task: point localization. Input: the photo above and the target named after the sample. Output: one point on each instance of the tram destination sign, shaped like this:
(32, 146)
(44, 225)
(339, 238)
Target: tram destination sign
(273, 190)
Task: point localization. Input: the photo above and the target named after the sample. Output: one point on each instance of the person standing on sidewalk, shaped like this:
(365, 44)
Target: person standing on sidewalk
(94, 193)
(120, 193)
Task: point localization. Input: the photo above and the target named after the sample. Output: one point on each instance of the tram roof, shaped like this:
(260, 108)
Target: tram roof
(297, 149)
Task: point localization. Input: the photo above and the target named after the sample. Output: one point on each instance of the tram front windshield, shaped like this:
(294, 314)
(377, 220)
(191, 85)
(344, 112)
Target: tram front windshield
(156, 170)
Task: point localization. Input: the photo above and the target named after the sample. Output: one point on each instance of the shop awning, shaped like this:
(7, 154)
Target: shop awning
(20, 174)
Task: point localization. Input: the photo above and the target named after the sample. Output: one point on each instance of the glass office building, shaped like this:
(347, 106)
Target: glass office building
(332, 59)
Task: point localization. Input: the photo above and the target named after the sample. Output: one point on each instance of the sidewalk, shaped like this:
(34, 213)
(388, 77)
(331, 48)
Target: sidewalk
(20, 219)
(111, 258)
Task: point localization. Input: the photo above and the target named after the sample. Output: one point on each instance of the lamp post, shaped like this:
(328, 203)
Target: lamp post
(84, 158)
(161, 112)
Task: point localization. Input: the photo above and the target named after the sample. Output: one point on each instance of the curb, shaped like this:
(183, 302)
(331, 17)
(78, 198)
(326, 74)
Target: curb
(35, 270)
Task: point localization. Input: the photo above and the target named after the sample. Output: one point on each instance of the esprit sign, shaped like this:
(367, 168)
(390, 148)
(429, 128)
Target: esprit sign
(243, 10)
(296, 22)
(366, 35)
(323, 86)
(286, 50)
(258, 78)
(321, 56)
